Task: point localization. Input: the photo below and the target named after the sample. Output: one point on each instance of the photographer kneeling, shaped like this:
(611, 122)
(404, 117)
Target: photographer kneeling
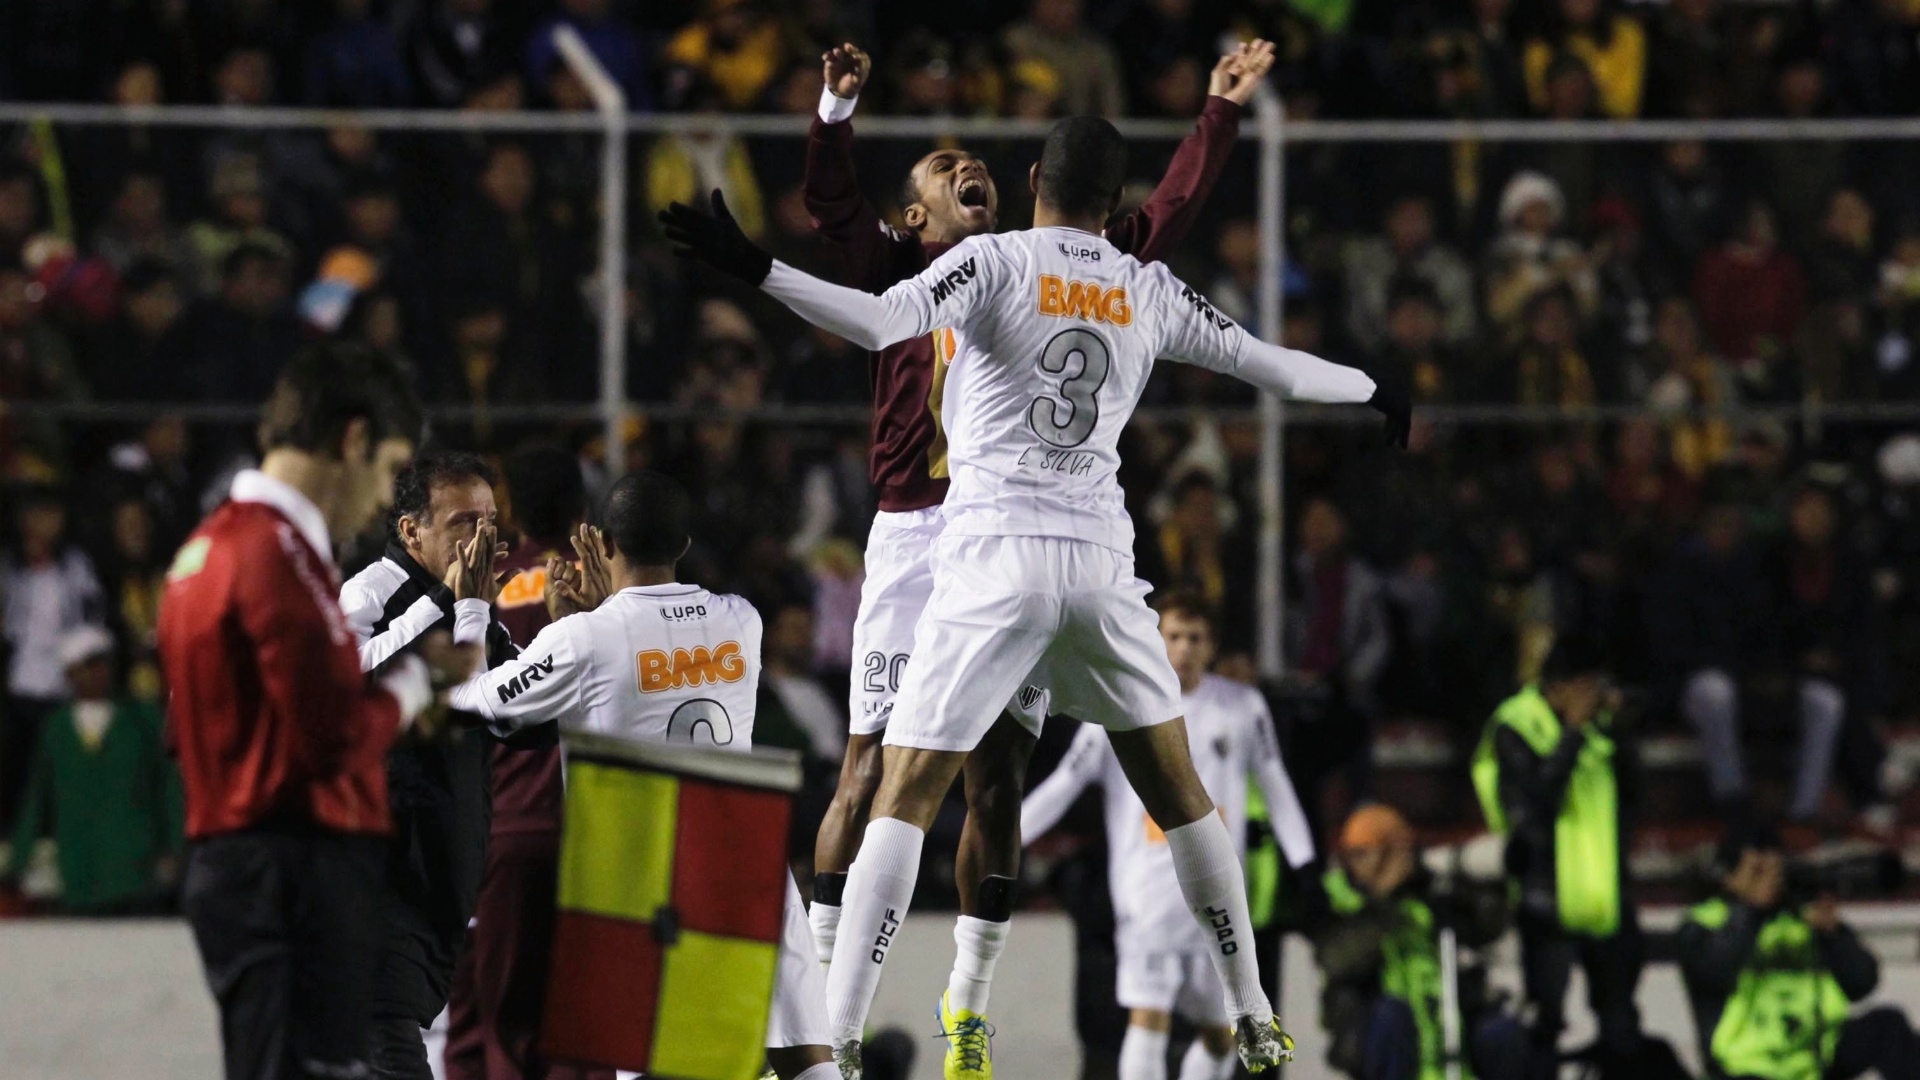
(1772, 977)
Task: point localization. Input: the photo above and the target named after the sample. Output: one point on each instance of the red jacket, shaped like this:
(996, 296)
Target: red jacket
(271, 717)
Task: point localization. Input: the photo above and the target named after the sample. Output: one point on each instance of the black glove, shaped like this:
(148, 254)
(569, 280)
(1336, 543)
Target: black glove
(1390, 399)
(715, 239)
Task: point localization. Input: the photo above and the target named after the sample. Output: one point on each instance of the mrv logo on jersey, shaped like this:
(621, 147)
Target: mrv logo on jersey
(1085, 300)
(518, 685)
(661, 670)
(955, 278)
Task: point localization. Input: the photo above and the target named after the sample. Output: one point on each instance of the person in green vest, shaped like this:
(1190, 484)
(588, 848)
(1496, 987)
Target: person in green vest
(1378, 946)
(102, 778)
(1773, 981)
(1546, 775)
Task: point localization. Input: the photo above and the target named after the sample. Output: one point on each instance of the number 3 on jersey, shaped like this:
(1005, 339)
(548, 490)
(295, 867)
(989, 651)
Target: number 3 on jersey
(1081, 358)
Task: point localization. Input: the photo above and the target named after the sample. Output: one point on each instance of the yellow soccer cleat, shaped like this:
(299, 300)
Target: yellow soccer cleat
(1262, 1047)
(969, 1043)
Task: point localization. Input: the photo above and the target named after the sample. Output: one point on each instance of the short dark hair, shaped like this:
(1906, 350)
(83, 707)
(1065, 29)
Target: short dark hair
(647, 516)
(1083, 166)
(1576, 652)
(1189, 604)
(413, 488)
(247, 252)
(1408, 288)
(548, 492)
(327, 386)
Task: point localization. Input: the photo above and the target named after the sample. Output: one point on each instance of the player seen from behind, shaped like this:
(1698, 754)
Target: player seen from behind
(1163, 966)
(949, 195)
(1056, 331)
(614, 667)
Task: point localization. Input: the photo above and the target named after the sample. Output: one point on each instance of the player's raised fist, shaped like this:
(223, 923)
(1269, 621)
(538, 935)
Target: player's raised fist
(1239, 72)
(845, 68)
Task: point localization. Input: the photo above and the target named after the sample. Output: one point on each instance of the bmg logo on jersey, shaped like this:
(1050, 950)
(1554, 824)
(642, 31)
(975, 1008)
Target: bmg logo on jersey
(1088, 301)
(661, 670)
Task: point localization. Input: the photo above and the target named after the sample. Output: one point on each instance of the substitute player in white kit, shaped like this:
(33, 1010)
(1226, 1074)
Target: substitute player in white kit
(662, 661)
(1162, 957)
(1056, 331)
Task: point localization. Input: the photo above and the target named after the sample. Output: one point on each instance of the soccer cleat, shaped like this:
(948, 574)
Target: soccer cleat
(847, 1056)
(969, 1043)
(1262, 1047)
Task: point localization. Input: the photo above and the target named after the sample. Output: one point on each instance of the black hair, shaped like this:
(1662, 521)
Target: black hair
(413, 487)
(549, 495)
(1083, 166)
(144, 274)
(1575, 653)
(1187, 603)
(329, 385)
(647, 516)
(1741, 837)
(1407, 287)
(246, 253)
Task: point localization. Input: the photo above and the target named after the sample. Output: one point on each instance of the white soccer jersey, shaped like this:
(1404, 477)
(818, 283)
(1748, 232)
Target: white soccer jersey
(1231, 735)
(671, 663)
(1056, 331)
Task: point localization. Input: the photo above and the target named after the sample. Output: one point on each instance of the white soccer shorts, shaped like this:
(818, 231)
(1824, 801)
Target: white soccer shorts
(898, 584)
(1178, 981)
(799, 1014)
(1068, 614)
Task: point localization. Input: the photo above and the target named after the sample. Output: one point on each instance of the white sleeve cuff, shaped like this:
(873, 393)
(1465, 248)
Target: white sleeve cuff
(411, 686)
(835, 109)
(471, 617)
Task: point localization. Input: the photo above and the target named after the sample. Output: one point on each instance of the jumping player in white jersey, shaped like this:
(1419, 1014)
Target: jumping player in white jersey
(662, 661)
(1056, 331)
(1162, 958)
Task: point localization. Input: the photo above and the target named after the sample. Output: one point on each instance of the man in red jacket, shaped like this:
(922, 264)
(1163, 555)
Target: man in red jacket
(949, 196)
(282, 741)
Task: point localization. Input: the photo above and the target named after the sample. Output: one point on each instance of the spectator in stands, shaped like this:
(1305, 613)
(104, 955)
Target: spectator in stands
(1899, 292)
(1055, 34)
(1843, 264)
(1406, 248)
(1378, 949)
(1338, 643)
(133, 569)
(1193, 547)
(238, 198)
(235, 342)
(19, 206)
(455, 49)
(1414, 353)
(1033, 91)
(1693, 48)
(1157, 35)
(735, 47)
(1611, 44)
(356, 64)
(1773, 974)
(47, 590)
(796, 707)
(106, 786)
(137, 226)
(1873, 57)
(136, 357)
(1548, 366)
(1528, 258)
(1751, 294)
(1498, 86)
(1689, 205)
(1799, 176)
(1546, 775)
(1631, 283)
(687, 167)
(1683, 374)
(156, 464)
(610, 39)
(36, 364)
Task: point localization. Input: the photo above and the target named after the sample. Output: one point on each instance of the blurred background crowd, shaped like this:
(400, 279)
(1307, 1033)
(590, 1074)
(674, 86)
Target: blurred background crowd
(1658, 324)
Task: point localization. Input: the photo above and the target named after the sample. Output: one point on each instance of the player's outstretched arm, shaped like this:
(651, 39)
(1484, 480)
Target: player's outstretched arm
(1284, 813)
(951, 289)
(543, 683)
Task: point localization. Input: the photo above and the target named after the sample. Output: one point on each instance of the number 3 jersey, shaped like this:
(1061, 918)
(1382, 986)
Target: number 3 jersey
(1055, 331)
(671, 663)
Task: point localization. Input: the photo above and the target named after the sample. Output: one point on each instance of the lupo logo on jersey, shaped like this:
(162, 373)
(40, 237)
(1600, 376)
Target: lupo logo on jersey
(1085, 300)
(660, 670)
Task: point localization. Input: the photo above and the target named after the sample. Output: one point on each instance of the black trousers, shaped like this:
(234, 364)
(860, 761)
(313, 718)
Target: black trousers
(1612, 966)
(286, 928)
(1880, 1039)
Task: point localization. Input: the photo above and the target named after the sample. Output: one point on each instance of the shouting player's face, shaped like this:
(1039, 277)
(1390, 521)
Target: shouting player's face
(455, 511)
(957, 198)
(1189, 646)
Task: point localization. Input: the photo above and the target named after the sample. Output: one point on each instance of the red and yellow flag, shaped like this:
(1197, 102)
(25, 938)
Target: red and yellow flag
(672, 880)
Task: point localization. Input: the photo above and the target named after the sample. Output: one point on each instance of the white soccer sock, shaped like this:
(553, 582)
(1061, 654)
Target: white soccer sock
(826, 1070)
(1143, 1054)
(825, 920)
(1200, 1064)
(1208, 870)
(977, 944)
(879, 889)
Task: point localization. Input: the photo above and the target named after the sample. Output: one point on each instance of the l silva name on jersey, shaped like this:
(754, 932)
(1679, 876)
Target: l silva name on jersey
(1069, 462)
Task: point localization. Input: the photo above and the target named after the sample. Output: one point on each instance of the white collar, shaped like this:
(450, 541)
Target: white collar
(671, 588)
(254, 486)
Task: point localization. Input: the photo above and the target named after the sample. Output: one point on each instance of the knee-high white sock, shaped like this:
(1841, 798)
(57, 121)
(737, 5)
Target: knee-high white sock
(1200, 1064)
(977, 945)
(1143, 1054)
(825, 920)
(879, 888)
(826, 1070)
(1208, 869)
